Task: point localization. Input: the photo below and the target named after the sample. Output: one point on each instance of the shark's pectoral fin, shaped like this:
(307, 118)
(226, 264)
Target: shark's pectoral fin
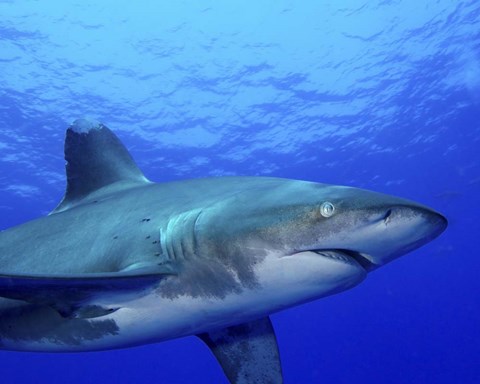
(82, 295)
(248, 353)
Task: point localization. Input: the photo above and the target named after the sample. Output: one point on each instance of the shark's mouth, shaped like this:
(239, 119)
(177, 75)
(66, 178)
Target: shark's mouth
(347, 256)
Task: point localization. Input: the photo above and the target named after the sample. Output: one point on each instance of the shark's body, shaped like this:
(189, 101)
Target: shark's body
(123, 261)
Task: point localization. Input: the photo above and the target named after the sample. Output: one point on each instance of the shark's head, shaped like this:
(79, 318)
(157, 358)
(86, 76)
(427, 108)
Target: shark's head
(368, 227)
(315, 232)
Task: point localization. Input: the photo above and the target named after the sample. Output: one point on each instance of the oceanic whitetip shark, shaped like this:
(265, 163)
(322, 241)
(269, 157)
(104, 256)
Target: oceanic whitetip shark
(123, 261)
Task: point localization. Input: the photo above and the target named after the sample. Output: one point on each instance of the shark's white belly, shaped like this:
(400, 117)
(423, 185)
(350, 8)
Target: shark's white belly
(153, 318)
(148, 319)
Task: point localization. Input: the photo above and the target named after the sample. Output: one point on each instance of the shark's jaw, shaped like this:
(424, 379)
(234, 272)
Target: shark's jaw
(347, 256)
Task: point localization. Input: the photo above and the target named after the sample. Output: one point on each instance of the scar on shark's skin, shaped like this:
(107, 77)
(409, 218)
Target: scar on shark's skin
(123, 261)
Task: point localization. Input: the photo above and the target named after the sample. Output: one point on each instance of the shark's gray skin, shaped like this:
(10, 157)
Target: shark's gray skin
(123, 261)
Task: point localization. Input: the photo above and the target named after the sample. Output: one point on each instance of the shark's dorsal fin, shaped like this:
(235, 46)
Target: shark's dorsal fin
(96, 159)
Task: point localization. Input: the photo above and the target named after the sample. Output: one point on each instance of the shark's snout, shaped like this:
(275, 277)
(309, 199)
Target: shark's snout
(400, 229)
(437, 222)
(426, 225)
(432, 221)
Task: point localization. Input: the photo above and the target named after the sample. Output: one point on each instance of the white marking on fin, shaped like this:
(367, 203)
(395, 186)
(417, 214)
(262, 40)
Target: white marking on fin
(84, 125)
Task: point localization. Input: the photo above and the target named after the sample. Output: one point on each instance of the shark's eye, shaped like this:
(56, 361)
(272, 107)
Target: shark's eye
(327, 209)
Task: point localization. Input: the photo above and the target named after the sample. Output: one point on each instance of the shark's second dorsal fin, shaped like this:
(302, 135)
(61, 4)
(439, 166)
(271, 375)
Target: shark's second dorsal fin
(96, 158)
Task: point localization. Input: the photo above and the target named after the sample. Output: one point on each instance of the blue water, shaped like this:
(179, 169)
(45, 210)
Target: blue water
(383, 95)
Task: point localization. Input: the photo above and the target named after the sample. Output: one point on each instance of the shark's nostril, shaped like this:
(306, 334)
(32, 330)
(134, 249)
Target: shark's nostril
(387, 215)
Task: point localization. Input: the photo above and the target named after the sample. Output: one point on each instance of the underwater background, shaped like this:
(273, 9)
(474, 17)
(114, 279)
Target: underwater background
(383, 95)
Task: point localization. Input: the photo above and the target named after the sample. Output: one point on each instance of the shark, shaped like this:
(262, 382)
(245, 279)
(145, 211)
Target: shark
(123, 261)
